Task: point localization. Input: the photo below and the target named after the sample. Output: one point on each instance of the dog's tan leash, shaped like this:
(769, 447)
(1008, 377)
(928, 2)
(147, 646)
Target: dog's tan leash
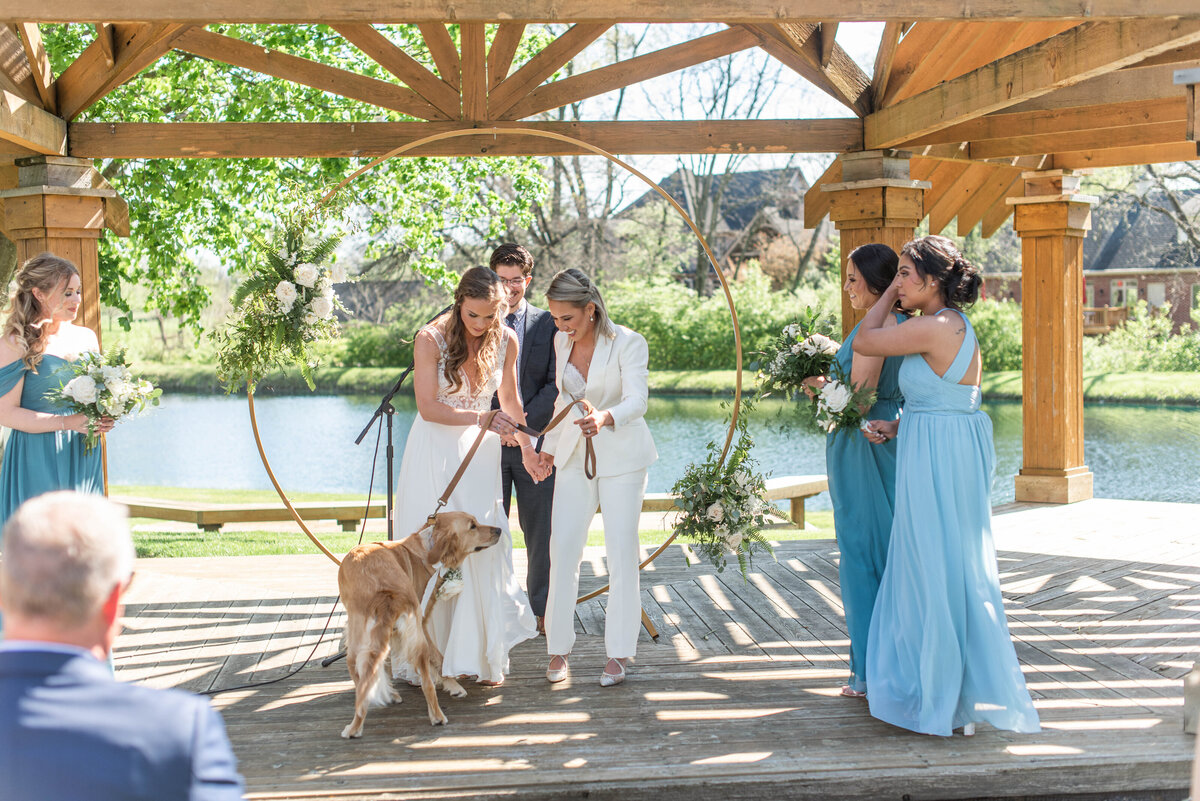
(589, 456)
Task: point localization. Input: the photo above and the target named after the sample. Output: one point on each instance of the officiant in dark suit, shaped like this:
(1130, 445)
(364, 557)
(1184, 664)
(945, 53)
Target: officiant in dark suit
(535, 373)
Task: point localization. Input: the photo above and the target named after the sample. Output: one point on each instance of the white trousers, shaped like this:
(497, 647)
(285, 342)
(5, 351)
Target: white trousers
(575, 501)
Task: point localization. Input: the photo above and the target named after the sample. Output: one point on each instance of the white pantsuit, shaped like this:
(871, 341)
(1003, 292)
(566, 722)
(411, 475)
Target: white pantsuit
(617, 383)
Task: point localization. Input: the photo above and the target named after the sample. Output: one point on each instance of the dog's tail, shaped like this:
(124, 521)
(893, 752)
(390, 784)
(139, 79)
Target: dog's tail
(382, 613)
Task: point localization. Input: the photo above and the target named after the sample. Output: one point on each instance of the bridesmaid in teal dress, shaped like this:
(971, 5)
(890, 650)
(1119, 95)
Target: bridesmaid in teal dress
(862, 468)
(939, 652)
(45, 450)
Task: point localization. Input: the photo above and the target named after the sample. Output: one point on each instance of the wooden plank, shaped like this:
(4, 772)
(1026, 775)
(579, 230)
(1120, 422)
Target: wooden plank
(1066, 59)
(937, 64)
(993, 190)
(104, 38)
(39, 64)
(842, 78)
(634, 70)
(382, 11)
(374, 44)
(328, 140)
(502, 52)
(1123, 156)
(919, 41)
(88, 78)
(817, 202)
(828, 41)
(284, 66)
(945, 208)
(510, 91)
(1157, 133)
(884, 58)
(16, 73)
(474, 71)
(25, 125)
(1000, 211)
(444, 53)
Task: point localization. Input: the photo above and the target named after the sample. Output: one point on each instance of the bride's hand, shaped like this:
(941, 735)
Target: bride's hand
(502, 424)
(534, 465)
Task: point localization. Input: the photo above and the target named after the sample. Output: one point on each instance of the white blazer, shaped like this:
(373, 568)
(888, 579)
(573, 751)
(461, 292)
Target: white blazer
(616, 382)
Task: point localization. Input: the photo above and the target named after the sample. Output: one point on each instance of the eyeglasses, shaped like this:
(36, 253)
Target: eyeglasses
(514, 281)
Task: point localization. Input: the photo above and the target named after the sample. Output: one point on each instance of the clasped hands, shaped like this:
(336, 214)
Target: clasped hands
(534, 464)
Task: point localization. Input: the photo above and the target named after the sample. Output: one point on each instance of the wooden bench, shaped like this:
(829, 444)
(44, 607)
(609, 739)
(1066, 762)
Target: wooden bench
(211, 516)
(793, 488)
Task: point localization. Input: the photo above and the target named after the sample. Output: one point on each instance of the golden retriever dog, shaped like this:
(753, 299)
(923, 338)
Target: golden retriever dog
(381, 585)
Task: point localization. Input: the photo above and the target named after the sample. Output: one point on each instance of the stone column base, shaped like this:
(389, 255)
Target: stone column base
(1054, 486)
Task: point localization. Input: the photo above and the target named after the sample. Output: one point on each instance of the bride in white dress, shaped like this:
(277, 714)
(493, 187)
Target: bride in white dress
(461, 360)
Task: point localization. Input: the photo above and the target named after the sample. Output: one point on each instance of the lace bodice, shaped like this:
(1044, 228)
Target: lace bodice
(574, 385)
(462, 398)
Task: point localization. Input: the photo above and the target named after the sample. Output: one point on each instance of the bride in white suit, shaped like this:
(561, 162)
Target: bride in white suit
(606, 365)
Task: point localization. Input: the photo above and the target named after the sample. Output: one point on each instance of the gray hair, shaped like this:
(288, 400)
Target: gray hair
(574, 287)
(64, 552)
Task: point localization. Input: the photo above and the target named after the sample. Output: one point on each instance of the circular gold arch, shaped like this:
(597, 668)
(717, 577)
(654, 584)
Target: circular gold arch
(438, 137)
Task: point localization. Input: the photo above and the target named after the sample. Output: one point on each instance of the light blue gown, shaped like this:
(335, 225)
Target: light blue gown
(862, 482)
(39, 463)
(939, 654)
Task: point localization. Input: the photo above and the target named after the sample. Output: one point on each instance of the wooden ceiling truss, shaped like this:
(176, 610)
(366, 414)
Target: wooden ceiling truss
(977, 97)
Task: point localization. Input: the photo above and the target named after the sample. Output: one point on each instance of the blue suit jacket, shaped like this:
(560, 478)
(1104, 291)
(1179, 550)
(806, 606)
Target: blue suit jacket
(69, 731)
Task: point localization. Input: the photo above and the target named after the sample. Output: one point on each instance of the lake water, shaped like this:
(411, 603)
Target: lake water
(1134, 452)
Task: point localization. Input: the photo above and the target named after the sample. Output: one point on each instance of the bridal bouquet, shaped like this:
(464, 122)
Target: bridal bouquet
(103, 386)
(800, 351)
(723, 511)
(839, 406)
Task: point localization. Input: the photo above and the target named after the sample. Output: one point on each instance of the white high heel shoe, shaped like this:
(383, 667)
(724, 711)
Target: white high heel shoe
(555, 675)
(968, 730)
(612, 679)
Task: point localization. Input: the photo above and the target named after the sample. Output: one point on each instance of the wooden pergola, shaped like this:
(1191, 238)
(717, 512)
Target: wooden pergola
(974, 109)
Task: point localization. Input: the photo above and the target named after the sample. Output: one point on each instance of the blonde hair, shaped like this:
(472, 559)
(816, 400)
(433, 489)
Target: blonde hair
(45, 272)
(478, 283)
(574, 287)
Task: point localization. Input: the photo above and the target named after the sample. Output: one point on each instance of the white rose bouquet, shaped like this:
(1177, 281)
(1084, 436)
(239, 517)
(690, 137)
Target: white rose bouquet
(723, 511)
(283, 308)
(104, 386)
(839, 406)
(801, 350)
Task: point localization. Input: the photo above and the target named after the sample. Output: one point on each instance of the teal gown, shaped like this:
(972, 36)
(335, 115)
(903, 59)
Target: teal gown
(38, 463)
(862, 480)
(939, 653)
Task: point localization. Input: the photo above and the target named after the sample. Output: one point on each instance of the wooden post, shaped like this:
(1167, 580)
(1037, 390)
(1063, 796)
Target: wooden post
(62, 205)
(1189, 78)
(876, 201)
(1052, 219)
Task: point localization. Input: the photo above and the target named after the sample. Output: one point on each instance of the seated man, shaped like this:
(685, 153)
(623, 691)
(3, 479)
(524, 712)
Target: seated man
(68, 729)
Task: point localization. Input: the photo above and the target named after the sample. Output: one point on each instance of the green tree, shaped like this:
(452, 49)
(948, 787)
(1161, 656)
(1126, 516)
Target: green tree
(409, 207)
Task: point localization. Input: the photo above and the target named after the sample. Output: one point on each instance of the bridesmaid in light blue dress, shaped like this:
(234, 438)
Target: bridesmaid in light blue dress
(939, 652)
(862, 467)
(45, 451)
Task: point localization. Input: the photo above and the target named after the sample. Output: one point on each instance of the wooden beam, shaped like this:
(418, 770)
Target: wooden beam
(1125, 156)
(104, 38)
(994, 189)
(238, 53)
(88, 78)
(959, 191)
(640, 68)
(378, 47)
(39, 64)
(884, 57)
(571, 11)
(1156, 133)
(828, 36)
(473, 39)
(444, 53)
(797, 47)
(937, 64)
(500, 57)
(542, 66)
(1068, 58)
(1179, 55)
(943, 177)
(329, 140)
(816, 202)
(1119, 86)
(24, 124)
(1000, 211)
(16, 74)
(921, 39)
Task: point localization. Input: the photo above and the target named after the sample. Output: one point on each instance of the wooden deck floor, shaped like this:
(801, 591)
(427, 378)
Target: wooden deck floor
(738, 697)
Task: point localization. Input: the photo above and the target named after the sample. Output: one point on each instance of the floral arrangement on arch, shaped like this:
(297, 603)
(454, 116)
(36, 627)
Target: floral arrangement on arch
(721, 504)
(284, 307)
(801, 350)
(103, 386)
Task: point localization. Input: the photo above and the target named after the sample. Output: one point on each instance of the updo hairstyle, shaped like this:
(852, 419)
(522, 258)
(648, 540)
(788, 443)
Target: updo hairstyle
(937, 258)
(876, 264)
(573, 287)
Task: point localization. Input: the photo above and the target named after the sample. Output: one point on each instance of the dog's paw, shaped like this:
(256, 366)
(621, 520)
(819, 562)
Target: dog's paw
(453, 688)
(438, 717)
(350, 732)
(396, 697)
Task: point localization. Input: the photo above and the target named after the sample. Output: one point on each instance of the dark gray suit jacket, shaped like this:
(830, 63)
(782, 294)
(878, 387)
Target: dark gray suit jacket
(535, 368)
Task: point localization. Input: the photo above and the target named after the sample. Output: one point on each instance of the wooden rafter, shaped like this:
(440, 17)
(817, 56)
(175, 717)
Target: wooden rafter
(474, 71)
(16, 76)
(444, 53)
(323, 140)
(503, 50)
(39, 65)
(1179, 55)
(88, 78)
(387, 11)
(943, 176)
(238, 53)
(797, 46)
(1156, 133)
(1120, 156)
(955, 195)
(884, 57)
(30, 127)
(817, 202)
(828, 40)
(993, 190)
(1000, 211)
(542, 66)
(411, 72)
(1068, 58)
(1119, 86)
(104, 38)
(936, 65)
(921, 39)
(634, 70)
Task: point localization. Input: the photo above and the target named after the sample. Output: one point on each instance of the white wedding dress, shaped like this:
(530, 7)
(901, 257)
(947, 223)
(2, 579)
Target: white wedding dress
(476, 628)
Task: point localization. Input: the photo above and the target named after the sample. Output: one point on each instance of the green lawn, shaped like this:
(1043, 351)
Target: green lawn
(185, 540)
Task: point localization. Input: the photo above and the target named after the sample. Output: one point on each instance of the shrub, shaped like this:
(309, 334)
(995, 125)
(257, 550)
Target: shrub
(1143, 343)
(997, 323)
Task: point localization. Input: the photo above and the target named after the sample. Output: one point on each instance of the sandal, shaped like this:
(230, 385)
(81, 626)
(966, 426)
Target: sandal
(849, 692)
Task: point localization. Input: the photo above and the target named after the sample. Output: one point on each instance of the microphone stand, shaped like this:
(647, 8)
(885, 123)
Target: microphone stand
(386, 408)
